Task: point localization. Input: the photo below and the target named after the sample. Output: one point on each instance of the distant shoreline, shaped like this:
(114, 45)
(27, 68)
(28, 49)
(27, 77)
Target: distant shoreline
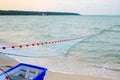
(13, 12)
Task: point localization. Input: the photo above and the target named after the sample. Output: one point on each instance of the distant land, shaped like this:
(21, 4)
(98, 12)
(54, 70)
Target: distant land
(13, 12)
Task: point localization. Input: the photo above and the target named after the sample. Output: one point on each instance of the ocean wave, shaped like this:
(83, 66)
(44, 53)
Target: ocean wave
(112, 55)
(109, 66)
(117, 31)
(118, 25)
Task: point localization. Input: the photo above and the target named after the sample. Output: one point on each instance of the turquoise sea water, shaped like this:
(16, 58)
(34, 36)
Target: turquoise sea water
(98, 55)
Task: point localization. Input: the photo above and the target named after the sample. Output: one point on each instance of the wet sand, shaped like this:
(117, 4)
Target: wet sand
(6, 62)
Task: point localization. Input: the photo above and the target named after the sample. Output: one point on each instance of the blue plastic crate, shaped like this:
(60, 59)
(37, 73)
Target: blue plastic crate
(25, 72)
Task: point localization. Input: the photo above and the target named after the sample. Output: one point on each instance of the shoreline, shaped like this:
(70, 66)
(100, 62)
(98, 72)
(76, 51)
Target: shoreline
(6, 61)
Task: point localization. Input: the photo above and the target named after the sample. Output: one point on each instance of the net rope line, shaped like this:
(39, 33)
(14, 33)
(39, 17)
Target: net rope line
(39, 44)
(55, 44)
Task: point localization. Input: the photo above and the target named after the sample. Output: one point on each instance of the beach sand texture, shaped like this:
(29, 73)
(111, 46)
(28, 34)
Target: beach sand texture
(5, 62)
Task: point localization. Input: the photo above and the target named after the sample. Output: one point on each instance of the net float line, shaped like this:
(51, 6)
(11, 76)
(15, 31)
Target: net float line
(38, 44)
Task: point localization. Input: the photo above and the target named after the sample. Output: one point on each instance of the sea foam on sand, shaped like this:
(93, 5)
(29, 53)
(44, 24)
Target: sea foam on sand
(7, 61)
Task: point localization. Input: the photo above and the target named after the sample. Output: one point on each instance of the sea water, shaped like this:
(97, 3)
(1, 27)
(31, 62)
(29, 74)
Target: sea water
(98, 54)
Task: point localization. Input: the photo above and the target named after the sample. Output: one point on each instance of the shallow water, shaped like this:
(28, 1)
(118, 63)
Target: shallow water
(98, 55)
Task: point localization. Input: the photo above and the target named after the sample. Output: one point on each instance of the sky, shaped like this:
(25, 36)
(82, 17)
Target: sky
(84, 7)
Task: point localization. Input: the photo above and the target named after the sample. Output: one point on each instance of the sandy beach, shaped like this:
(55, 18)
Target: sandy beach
(6, 62)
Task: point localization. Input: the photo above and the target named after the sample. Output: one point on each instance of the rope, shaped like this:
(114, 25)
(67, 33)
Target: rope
(38, 44)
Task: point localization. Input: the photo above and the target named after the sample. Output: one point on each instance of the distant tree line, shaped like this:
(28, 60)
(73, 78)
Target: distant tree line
(10, 12)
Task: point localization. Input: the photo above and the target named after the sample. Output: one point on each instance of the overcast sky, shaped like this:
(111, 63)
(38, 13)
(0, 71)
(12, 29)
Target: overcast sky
(86, 7)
